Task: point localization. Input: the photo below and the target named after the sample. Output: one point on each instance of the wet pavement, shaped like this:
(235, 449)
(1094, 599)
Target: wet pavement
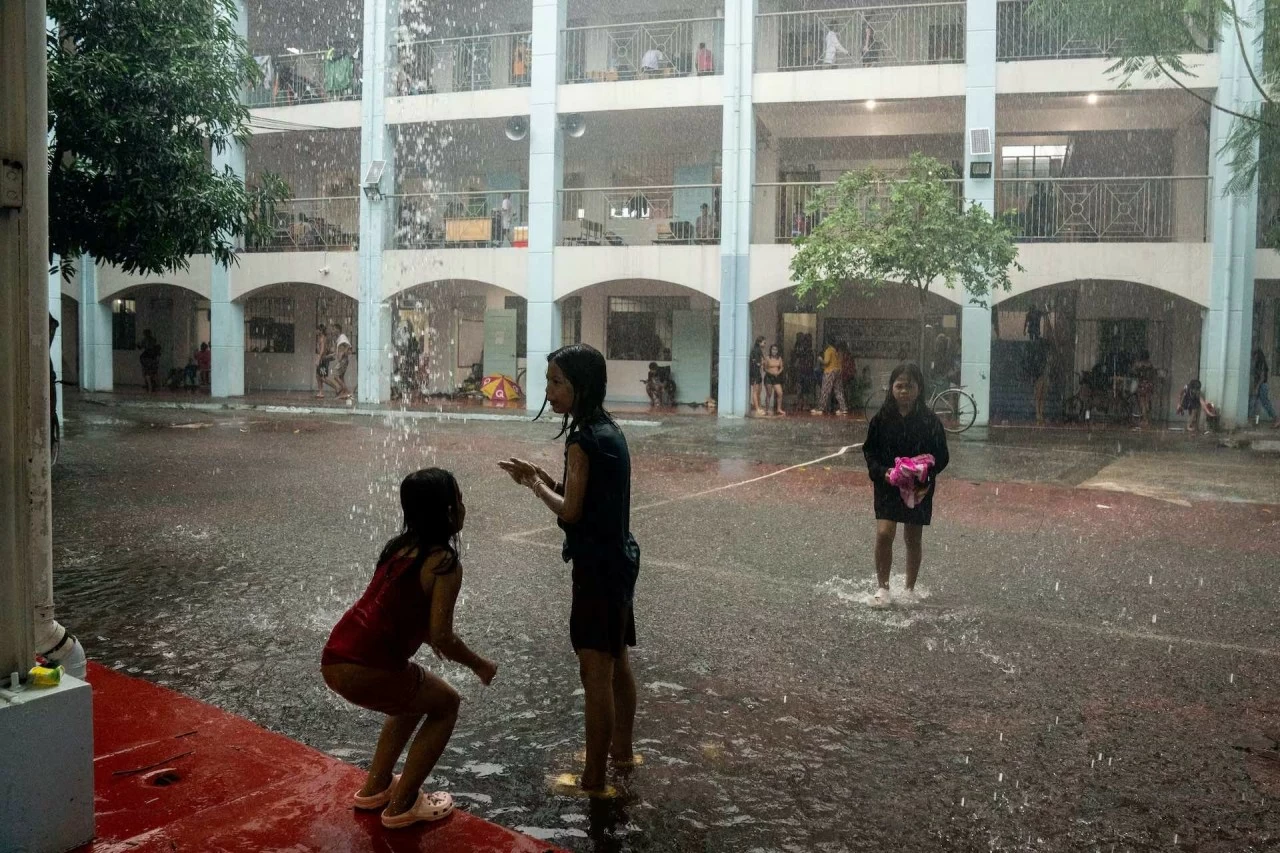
(1088, 670)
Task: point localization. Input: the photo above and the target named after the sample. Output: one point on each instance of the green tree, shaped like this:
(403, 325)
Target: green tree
(1156, 36)
(873, 229)
(140, 93)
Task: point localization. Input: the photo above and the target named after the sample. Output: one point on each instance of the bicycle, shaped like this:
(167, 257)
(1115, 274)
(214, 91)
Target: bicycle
(1117, 405)
(953, 405)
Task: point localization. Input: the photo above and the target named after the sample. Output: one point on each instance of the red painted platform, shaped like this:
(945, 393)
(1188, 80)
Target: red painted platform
(173, 774)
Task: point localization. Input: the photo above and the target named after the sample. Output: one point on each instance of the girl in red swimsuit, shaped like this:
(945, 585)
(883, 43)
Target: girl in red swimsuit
(368, 659)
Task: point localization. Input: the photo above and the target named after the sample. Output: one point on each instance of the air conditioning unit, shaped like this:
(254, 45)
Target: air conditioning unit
(980, 142)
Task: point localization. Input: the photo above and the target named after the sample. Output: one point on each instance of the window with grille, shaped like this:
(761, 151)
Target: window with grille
(124, 324)
(639, 327)
(269, 324)
(571, 320)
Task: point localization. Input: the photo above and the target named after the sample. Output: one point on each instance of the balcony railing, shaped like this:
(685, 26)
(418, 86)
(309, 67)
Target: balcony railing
(1105, 210)
(454, 220)
(915, 34)
(1021, 35)
(306, 78)
(640, 216)
(782, 210)
(463, 64)
(313, 224)
(653, 49)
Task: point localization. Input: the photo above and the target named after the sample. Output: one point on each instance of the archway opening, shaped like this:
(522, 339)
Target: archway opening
(660, 340)
(872, 331)
(1079, 347)
(178, 320)
(281, 334)
(447, 335)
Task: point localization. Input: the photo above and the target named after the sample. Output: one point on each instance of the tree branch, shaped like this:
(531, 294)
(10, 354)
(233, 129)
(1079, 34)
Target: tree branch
(1244, 54)
(1205, 100)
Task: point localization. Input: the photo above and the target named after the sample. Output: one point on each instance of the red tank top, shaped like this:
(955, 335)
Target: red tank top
(387, 626)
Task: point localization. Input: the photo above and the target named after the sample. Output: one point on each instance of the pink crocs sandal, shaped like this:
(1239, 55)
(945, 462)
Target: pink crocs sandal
(434, 806)
(376, 801)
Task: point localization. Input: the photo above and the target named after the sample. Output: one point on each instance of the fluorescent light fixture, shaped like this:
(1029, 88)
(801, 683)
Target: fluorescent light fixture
(871, 104)
(1092, 99)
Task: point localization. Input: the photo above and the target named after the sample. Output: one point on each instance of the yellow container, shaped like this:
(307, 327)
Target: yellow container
(43, 676)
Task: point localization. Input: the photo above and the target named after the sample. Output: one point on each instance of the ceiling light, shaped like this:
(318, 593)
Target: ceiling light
(1092, 99)
(871, 104)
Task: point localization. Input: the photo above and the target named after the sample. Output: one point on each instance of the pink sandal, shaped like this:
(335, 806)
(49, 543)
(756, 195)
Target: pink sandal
(376, 801)
(434, 806)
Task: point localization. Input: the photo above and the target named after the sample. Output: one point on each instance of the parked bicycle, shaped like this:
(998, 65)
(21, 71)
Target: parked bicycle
(953, 405)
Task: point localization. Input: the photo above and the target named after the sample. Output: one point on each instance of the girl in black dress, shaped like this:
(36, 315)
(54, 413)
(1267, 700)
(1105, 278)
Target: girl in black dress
(593, 506)
(904, 427)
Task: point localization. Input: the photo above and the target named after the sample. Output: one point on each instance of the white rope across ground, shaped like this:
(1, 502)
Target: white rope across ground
(842, 451)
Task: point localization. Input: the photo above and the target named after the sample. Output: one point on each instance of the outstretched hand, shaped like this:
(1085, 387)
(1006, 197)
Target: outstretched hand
(522, 472)
(486, 672)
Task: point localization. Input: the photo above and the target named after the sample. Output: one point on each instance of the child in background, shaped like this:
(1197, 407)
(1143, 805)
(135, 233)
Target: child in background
(368, 659)
(1191, 403)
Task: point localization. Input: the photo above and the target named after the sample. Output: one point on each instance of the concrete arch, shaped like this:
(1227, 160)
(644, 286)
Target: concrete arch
(287, 287)
(113, 282)
(771, 274)
(336, 271)
(505, 268)
(695, 268)
(1181, 269)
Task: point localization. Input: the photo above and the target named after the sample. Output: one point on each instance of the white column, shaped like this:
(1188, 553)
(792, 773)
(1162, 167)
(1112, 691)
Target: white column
(374, 341)
(738, 143)
(980, 112)
(1227, 340)
(96, 367)
(226, 317)
(546, 177)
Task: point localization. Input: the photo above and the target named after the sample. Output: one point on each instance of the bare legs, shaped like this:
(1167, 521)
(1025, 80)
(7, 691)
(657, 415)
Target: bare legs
(438, 702)
(886, 532)
(610, 713)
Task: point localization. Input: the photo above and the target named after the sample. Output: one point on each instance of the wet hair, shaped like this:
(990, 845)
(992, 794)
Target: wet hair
(584, 367)
(773, 348)
(429, 500)
(203, 347)
(911, 370)
(759, 341)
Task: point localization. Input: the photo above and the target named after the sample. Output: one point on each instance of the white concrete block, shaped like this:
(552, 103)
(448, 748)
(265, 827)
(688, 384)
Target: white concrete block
(46, 768)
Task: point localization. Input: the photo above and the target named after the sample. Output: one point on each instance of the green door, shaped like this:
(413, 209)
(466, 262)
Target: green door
(500, 342)
(691, 340)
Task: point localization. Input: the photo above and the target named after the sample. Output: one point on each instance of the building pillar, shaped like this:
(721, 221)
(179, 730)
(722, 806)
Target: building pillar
(738, 144)
(546, 177)
(226, 316)
(1227, 339)
(980, 112)
(96, 366)
(374, 341)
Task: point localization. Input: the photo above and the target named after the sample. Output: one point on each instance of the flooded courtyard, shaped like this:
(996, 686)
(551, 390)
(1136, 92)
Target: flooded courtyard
(1087, 670)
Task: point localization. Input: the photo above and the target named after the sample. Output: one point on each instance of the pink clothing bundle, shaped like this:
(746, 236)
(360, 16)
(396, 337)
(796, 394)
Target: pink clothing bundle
(909, 474)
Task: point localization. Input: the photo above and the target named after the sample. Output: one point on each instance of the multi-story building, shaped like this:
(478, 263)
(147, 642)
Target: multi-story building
(493, 182)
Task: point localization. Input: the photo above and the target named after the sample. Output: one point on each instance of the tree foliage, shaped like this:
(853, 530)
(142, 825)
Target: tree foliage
(140, 93)
(1152, 38)
(911, 228)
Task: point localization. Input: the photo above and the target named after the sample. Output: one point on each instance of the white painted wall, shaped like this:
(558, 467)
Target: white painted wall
(661, 93)
(456, 106)
(330, 115)
(856, 84)
(1090, 75)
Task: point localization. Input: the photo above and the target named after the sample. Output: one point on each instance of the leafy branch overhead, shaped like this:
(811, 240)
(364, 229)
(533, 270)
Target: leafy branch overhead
(1161, 39)
(910, 227)
(140, 94)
